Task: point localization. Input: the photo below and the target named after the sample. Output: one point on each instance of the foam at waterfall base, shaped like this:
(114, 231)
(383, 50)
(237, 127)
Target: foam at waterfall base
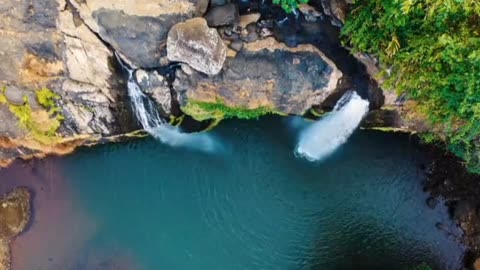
(320, 139)
(148, 115)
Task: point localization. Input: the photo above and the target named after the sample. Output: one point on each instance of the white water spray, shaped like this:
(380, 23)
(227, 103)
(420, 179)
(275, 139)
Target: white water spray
(322, 138)
(147, 114)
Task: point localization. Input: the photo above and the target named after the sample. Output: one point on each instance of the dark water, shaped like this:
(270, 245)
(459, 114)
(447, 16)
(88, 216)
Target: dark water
(143, 205)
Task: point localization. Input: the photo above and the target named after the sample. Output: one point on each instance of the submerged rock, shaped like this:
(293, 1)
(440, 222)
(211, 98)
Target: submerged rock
(14, 218)
(265, 75)
(194, 43)
(14, 212)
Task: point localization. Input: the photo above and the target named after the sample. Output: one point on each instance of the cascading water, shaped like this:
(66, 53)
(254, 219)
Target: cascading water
(147, 114)
(322, 138)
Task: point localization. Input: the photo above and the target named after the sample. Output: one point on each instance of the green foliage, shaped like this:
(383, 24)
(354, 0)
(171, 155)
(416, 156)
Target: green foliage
(289, 5)
(204, 110)
(41, 125)
(431, 50)
(46, 98)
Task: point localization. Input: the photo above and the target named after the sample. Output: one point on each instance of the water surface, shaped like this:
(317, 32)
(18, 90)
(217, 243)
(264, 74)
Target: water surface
(143, 205)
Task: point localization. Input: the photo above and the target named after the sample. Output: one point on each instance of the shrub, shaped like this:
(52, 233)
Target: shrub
(205, 110)
(42, 125)
(429, 49)
(289, 5)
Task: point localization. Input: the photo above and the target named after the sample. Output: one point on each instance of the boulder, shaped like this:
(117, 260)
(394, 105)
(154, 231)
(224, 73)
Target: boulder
(15, 95)
(201, 7)
(156, 86)
(14, 212)
(265, 74)
(14, 218)
(194, 43)
(222, 15)
(136, 29)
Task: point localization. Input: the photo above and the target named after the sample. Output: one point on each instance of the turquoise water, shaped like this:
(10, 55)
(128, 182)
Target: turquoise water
(254, 205)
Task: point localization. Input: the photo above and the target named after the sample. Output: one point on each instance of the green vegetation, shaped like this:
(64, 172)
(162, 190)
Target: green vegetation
(201, 111)
(42, 125)
(289, 5)
(429, 49)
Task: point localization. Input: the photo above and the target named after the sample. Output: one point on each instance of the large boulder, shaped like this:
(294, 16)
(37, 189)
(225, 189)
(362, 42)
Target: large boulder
(14, 212)
(264, 74)
(194, 43)
(136, 29)
(222, 15)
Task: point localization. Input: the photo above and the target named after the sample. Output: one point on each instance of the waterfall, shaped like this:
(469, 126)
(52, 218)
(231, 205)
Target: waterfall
(322, 138)
(148, 115)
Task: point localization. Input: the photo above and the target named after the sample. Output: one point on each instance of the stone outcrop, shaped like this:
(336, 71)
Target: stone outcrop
(194, 43)
(136, 29)
(14, 218)
(70, 47)
(46, 44)
(264, 74)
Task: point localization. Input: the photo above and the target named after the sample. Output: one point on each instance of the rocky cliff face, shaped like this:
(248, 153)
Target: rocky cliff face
(61, 85)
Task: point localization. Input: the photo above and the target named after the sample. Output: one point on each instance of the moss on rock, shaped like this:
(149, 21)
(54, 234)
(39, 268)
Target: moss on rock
(202, 111)
(41, 125)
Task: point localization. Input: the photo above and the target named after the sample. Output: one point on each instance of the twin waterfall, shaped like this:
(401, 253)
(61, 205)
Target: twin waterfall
(322, 138)
(316, 141)
(149, 117)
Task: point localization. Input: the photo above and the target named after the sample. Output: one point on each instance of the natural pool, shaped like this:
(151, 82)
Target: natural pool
(254, 205)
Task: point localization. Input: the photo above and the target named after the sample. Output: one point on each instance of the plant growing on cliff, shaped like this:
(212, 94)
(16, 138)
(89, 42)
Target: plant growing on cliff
(42, 125)
(429, 49)
(206, 110)
(289, 5)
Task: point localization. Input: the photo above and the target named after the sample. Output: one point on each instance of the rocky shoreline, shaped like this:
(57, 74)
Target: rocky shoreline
(14, 218)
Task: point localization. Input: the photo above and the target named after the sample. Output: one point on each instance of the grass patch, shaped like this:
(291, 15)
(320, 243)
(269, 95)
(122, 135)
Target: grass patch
(41, 125)
(201, 111)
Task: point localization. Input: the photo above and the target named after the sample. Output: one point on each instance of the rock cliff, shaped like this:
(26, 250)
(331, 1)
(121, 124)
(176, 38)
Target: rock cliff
(62, 86)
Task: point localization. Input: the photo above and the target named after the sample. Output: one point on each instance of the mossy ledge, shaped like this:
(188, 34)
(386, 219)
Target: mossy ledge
(40, 125)
(218, 110)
